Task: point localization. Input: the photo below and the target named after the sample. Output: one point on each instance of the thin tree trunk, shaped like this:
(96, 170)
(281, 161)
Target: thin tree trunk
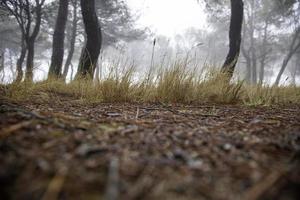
(293, 49)
(254, 66)
(72, 71)
(91, 51)
(235, 36)
(11, 67)
(72, 42)
(252, 44)
(30, 61)
(58, 40)
(264, 53)
(30, 41)
(247, 58)
(246, 54)
(2, 60)
(283, 67)
(2, 63)
(294, 70)
(20, 61)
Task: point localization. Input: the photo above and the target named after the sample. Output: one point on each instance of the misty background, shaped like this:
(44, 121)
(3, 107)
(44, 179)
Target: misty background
(153, 33)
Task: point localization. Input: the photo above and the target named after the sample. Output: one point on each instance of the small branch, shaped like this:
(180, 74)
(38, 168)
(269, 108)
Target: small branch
(12, 129)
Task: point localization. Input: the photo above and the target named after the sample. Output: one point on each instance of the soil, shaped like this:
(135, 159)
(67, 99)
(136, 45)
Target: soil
(65, 149)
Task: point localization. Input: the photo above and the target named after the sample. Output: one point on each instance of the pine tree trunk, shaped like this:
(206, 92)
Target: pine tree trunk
(30, 61)
(283, 66)
(20, 62)
(30, 42)
(58, 40)
(294, 46)
(254, 66)
(91, 51)
(72, 41)
(294, 71)
(263, 57)
(2, 60)
(235, 36)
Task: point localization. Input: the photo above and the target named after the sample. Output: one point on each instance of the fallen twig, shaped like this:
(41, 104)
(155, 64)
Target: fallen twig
(13, 128)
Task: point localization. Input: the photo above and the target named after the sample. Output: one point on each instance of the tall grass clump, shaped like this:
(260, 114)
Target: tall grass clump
(254, 95)
(117, 88)
(215, 87)
(177, 83)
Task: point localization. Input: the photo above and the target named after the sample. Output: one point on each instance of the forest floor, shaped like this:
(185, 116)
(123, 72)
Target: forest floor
(64, 149)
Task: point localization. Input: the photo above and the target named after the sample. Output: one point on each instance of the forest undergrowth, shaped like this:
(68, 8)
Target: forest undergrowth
(176, 85)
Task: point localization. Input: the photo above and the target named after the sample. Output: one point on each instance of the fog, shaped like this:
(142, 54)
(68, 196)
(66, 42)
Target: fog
(157, 33)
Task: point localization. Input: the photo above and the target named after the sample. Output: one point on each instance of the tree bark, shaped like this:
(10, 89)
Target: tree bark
(20, 62)
(235, 36)
(72, 41)
(58, 40)
(30, 41)
(30, 61)
(91, 51)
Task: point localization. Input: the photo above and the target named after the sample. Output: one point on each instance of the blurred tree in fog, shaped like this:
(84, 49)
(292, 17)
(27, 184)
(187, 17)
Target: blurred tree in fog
(266, 24)
(90, 52)
(290, 9)
(28, 15)
(9, 42)
(118, 25)
(235, 36)
(58, 40)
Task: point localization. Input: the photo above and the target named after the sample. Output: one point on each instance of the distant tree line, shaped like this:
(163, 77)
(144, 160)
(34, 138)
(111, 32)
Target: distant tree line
(97, 24)
(32, 15)
(270, 32)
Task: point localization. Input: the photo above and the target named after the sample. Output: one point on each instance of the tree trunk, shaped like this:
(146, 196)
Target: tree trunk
(58, 40)
(295, 45)
(20, 62)
(2, 60)
(254, 66)
(72, 72)
(283, 67)
(30, 41)
(247, 58)
(30, 61)
(2, 63)
(264, 53)
(235, 36)
(72, 41)
(294, 70)
(252, 44)
(88, 60)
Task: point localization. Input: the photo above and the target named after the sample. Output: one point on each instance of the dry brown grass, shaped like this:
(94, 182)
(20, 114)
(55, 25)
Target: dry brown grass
(176, 84)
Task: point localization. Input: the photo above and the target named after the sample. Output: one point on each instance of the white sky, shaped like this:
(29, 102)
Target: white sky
(169, 17)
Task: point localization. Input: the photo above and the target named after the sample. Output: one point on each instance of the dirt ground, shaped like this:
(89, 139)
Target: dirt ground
(67, 150)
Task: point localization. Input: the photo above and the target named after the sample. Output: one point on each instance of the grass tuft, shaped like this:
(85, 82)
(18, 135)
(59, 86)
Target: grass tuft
(176, 84)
